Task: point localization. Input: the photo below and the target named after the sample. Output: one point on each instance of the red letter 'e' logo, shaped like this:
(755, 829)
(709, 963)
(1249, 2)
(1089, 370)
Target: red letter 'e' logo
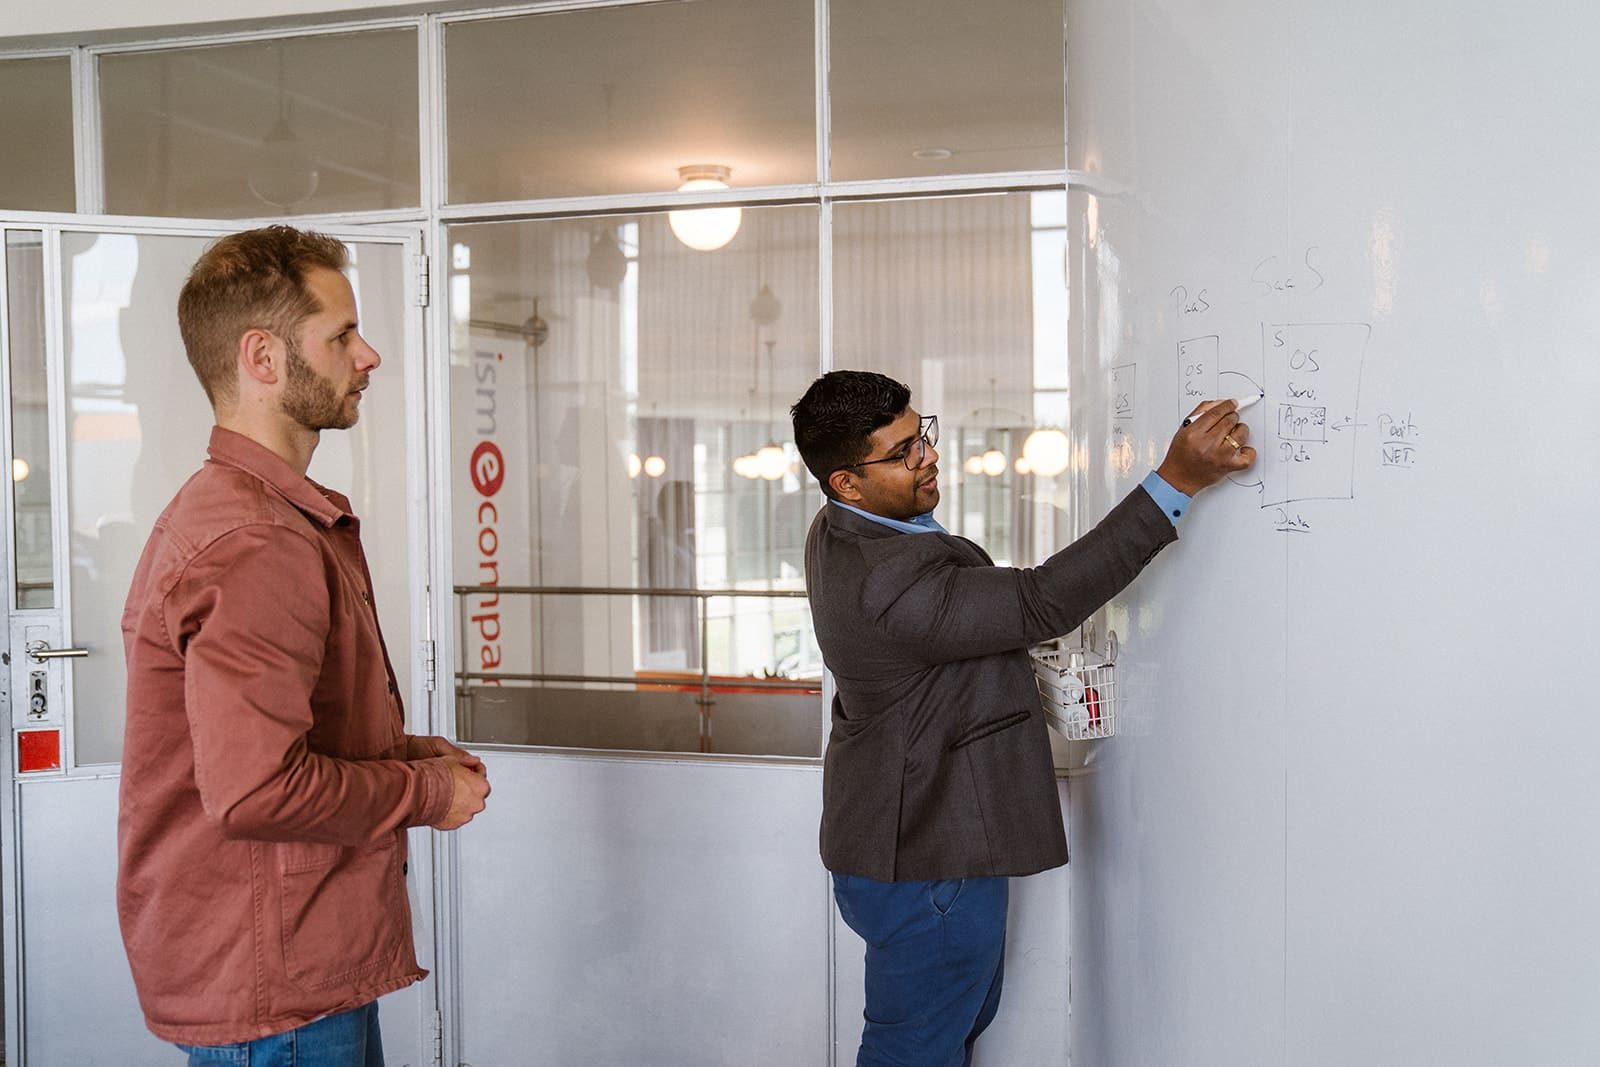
(488, 469)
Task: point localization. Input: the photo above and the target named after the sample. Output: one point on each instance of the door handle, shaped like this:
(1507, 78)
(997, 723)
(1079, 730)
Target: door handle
(39, 651)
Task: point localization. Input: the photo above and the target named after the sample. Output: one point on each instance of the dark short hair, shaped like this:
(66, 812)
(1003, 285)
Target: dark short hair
(244, 281)
(835, 419)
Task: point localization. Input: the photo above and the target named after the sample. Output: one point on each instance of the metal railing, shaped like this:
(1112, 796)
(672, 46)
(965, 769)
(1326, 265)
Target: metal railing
(704, 596)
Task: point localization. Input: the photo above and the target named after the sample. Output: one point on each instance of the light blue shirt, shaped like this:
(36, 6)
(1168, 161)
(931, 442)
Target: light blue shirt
(924, 523)
(1173, 504)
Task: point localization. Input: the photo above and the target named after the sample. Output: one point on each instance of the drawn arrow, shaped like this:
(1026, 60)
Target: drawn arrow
(1255, 386)
(1257, 485)
(1348, 423)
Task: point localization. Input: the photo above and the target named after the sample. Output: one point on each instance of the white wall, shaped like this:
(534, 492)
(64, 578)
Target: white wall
(1350, 813)
(632, 911)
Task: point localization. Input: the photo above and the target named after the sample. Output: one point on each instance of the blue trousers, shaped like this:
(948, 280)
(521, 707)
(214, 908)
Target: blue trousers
(348, 1039)
(935, 960)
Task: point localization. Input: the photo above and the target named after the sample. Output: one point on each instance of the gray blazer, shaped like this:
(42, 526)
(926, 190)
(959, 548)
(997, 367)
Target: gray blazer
(938, 764)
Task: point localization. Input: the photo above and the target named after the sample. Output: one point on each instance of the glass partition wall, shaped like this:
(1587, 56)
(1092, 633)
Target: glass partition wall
(630, 513)
(37, 92)
(616, 537)
(652, 225)
(307, 124)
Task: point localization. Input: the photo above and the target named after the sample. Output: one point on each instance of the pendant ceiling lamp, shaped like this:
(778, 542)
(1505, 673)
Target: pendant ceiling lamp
(282, 172)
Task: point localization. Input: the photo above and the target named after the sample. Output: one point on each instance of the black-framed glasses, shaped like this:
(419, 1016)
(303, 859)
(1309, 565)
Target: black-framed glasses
(915, 452)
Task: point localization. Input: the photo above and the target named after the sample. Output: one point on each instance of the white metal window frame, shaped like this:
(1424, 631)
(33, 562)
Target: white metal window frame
(435, 214)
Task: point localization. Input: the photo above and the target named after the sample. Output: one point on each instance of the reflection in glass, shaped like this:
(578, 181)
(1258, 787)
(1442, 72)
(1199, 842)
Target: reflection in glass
(294, 126)
(929, 87)
(617, 99)
(30, 427)
(36, 128)
(597, 414)
(137, 427)
(965, 300)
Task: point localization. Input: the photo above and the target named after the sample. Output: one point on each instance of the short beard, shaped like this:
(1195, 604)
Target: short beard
(311, 399)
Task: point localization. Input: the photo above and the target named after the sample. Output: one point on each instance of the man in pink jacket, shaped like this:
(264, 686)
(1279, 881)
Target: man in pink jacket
(267, 778)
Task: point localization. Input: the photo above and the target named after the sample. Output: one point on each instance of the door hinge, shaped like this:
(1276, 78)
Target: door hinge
(419, 264)
(429, 665)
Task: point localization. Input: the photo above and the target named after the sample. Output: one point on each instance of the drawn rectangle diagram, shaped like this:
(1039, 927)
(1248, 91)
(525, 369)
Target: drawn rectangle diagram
(1296, 422)
(1124, 377)
(1313, 384)
(1197, 371)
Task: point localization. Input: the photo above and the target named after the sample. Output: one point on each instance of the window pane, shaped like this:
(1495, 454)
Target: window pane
(30, 426)
(137, 427)
(126, 377)
(605, 380)
(37, 114)
(923, 87)
(976, 288)
(616, 100)
(307, 124)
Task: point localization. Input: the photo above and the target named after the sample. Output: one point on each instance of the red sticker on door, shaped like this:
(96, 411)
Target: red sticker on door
(38, 750)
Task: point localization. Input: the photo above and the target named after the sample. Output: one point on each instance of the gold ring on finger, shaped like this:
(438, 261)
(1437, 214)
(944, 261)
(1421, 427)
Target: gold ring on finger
(1228, 437)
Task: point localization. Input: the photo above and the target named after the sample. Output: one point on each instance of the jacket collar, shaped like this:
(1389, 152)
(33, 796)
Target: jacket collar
(236, 450)
(920, 525)
(845, 519)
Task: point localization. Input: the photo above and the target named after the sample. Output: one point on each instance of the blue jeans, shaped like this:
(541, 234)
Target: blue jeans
(349, 1039)
(935, 961)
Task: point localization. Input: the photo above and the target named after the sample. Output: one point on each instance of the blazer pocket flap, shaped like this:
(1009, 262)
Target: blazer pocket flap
(993, 726)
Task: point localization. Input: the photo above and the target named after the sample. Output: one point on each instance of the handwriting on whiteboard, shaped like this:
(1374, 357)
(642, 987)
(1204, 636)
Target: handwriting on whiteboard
(1261, 331)
(1273, 276)
(1398, 439)
(1124, 387)
(1198, 359)
(1312, 378)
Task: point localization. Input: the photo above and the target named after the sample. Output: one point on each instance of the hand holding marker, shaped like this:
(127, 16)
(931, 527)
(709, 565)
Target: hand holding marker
(1210, 445)
(1239, 405)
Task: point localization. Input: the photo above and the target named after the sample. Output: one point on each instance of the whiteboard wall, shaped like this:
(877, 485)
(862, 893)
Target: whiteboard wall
(1352, 812)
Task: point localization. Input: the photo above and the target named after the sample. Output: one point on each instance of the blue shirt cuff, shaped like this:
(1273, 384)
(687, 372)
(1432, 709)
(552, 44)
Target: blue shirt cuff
(1173, 504)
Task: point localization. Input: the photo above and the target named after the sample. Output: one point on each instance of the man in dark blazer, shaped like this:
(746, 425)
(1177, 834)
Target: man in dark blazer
(938, 782)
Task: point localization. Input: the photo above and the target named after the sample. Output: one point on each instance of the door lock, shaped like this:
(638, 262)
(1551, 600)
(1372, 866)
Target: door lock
(38, 696)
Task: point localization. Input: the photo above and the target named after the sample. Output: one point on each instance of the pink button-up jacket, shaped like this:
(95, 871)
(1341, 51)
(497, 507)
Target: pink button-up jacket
(265, 791)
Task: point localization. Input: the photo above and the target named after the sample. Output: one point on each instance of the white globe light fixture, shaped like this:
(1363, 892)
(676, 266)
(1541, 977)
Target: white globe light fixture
(994, 462)
(20, 469)
(1047, 451)
(1022, 466)
(746, 466)
(973, 465)
(705, 229)
(655, 466)
(772, 462)
(607, 264)
(766, 308)
(282, 172)
(634, 466)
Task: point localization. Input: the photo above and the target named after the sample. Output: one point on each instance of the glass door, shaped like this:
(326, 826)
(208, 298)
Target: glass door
(104, 421)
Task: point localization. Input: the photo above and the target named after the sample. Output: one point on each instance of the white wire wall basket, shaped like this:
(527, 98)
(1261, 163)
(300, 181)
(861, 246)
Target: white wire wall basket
(1078, 686)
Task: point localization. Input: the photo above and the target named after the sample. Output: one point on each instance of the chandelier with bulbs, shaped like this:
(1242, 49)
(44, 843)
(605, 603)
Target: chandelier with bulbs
(1046, 452)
